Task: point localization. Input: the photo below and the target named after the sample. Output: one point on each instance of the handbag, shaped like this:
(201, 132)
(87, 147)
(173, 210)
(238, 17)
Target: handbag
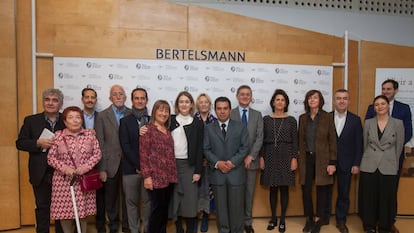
(88, 181)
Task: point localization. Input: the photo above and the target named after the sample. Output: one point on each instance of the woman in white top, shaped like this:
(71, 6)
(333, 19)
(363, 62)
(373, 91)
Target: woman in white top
(187, 133)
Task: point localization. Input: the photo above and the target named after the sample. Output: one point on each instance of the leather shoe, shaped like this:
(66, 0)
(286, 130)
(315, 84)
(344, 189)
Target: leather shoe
(271, 225)
(282, 227)
(394, 229)
(249, 229)
(308, 226)
(317, 227)
(342, 228)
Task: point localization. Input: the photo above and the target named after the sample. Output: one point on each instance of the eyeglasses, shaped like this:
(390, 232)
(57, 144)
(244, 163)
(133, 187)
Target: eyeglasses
(117, 94)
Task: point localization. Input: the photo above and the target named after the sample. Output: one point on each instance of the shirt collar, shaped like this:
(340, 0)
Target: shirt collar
(340, 115)
(117, 111)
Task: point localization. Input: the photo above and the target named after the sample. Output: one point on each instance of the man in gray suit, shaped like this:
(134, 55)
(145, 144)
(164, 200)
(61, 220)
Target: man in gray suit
(106, 127)
(225, 147)
(254, 122)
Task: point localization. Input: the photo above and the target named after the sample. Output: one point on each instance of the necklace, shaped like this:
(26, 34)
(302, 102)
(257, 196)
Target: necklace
(278, 131)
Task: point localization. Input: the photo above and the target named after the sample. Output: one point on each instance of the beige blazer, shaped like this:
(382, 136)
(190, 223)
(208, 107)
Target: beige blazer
(383, 154)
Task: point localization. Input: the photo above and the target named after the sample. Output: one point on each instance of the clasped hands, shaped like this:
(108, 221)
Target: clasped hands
(225, 166)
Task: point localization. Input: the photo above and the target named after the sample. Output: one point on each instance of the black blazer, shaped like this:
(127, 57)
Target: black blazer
(129, 140)
(29, 133)
(195, 134)
(349, 143)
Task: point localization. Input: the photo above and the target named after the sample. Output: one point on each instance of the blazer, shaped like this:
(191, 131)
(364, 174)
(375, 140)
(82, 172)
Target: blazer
(255, 129)
(194, 133)
(400, 111)
(234, 147)
(383, 154)
(129, 140)
(107, 132)
(325, 147)
(29, 133)
(349, 143)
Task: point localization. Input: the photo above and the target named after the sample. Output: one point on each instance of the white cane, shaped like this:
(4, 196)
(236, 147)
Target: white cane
(75, 209)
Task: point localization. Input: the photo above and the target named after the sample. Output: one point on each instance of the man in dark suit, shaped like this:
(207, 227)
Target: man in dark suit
(398, 110)
(254, 121)
(106, 127)
(349, 153)
(225, 147)
(89, 100)
(132, 181)
(30, 140)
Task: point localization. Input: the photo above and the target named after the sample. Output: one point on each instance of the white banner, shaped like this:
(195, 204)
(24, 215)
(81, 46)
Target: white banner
(164, 79)
(405, 78)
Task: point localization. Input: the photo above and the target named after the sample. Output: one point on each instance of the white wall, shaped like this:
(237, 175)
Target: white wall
(370, 27)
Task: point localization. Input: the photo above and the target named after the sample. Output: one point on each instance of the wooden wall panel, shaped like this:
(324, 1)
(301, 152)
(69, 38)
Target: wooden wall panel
(9, 182)
(135, 28)
(153, 15)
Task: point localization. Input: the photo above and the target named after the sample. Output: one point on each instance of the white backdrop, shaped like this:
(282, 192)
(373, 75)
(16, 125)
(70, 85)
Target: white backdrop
(164, 79)
(405, 78)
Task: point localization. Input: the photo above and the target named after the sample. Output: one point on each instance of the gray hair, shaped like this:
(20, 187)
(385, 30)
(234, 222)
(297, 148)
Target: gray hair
(53, 91)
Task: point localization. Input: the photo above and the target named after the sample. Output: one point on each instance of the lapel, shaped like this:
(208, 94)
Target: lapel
(217, 130)
(346, 125)
(388, 132)
(110, 115)
(373, 133)
(250, 116)
(236, 114)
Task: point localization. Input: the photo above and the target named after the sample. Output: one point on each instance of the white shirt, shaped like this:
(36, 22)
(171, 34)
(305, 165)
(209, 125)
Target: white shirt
(391, 107)
(180, 139)
(339, 122)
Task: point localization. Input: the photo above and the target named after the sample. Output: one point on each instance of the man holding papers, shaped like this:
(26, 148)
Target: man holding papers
(35, 137)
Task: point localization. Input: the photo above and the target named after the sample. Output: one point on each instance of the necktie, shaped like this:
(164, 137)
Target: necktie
(223, 130)
(244, 117)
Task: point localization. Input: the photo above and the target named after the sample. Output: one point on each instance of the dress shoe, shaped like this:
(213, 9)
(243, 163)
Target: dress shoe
(371, 231)
(316, 227)
(342, 228)
(308, 226)
(282, 227)
(126, 230)
(272, 224)
(394, 229)
(249, 229)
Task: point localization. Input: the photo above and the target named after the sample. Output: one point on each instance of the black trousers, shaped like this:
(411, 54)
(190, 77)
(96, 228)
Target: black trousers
(322, 192)
(377, 200)
(342, 201)
(160, 200)
(43, 198)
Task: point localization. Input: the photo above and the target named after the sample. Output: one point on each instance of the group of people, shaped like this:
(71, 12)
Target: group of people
(173, 166)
